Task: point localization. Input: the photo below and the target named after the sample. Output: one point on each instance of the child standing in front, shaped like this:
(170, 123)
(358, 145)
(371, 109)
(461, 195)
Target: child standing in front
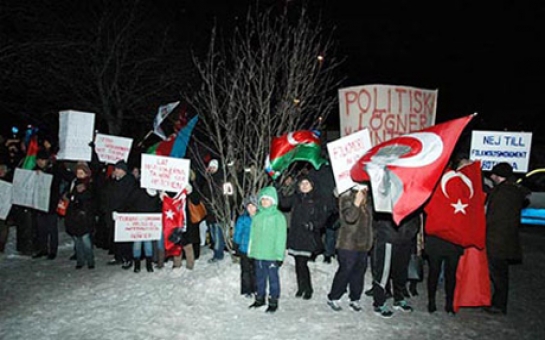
(267, 247)
(241, 238)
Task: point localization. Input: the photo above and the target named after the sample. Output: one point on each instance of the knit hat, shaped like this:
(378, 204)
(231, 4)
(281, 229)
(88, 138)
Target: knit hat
(250, 200)
(83, 166)
(42, 154)
(213, 164)
(121, 164)
(503, 170)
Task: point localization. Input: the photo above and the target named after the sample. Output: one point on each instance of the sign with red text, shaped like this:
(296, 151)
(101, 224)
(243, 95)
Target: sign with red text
(111, 149)
(131, 227)
(164, 173)
(388, 111)
(344, 153)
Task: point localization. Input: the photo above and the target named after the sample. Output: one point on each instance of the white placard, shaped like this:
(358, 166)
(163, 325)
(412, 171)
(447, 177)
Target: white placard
(131, 227)
(164, 173)
(5, 199)
(76, 129)
(111, 149)
(31, 189)
(344, 153)
(492, 147)
(388, 111)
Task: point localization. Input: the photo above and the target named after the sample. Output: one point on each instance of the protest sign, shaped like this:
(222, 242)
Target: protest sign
(164, 173)
(31, 189)
(388, 111)
(5, 199)
(131, 227)
(111, 149)
(492, 147)
(76, 131)
(344, 153)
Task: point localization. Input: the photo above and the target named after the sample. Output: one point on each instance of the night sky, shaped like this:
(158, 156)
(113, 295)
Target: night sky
(484, 58)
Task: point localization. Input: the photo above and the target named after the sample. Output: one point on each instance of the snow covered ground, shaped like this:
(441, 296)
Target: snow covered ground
(44, 299)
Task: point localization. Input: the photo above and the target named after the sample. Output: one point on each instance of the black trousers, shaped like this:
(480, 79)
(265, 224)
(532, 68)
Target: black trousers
(302, 273)
(451, 264)
(390, 261)
(499, 275)
(47, 232)
(247, 275)
(350, 275)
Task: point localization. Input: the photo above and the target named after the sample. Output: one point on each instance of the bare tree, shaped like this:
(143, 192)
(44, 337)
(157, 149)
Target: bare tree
(273, 76)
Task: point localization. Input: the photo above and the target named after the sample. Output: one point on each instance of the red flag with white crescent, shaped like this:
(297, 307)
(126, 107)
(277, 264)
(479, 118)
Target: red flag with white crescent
(173, 217)
(404, 170)
(455, 211)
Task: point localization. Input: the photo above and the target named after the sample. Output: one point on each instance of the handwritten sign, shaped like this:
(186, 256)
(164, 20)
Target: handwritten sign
(111, 149)
(31, 189)
(164, 173)
(492, 147)
(388, 111)
(76, 131)
(344, 153)
(130, 227)
(5, 199)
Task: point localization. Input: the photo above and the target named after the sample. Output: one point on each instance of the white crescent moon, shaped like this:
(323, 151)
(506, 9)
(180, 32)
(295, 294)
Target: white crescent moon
(291, 140)
(432, 148)
(452, 174)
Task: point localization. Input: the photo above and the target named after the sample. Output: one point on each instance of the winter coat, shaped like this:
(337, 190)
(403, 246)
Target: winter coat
(269, 230)
(241, 236)
(117, 195)
(80, 215)
(191, 234)
(503, 207)
(307, 220)
(356, 224)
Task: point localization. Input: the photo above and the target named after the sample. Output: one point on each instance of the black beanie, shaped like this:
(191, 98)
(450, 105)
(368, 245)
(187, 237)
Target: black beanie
(503, 170)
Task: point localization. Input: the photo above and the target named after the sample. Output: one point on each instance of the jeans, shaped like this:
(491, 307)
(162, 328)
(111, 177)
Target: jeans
(137, 249)
(267, 271)
(216, 232)
(84, 250)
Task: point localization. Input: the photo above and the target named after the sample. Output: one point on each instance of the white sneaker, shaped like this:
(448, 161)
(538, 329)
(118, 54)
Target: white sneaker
(355, 305)
(334, 304)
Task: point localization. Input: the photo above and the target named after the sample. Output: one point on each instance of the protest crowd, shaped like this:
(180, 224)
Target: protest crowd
(302, 215)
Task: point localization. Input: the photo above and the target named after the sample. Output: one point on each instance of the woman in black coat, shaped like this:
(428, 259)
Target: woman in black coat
(308, 216)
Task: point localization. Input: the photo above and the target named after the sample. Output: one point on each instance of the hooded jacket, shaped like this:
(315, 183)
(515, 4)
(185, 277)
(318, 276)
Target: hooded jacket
(269, 230)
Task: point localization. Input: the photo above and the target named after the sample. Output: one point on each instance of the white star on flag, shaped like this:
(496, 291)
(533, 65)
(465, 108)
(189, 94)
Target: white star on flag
(459, 207)
(170, 214)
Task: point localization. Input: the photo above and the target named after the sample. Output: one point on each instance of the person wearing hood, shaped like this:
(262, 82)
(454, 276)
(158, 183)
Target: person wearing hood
(241, 238)
(307, 221)
(267, 247)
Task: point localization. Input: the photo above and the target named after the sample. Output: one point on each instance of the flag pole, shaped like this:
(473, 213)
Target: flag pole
(145, 137)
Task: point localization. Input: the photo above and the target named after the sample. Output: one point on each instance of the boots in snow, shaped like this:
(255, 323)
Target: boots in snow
(149, 265)
(259, 301)
(137, 265)
(273, 305)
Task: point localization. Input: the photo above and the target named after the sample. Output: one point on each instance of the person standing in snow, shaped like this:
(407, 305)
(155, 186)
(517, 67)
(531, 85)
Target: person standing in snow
(305, 232)
(267, 247)
(241, 238)
(354, 241)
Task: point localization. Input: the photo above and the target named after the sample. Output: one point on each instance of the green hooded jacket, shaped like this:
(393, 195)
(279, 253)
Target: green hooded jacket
(269, 230)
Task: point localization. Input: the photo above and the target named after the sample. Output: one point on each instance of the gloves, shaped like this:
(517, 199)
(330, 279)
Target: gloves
(279, 263)
(308, 226)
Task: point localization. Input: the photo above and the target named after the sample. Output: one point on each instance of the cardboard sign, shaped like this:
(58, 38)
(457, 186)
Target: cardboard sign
(31, 189)
(76, 131)
(164, 173)
(388, 111)
(131, 227)
(344, 153)
(493, 147)
(111, 149)
(5, 199)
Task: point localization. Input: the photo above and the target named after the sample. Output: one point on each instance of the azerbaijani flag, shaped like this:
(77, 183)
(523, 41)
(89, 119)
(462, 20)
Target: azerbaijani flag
(302, 145)
(176, 144)
(32, 150)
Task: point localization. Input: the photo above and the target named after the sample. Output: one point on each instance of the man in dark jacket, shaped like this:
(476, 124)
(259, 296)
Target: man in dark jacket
(503, 207)
(213, 189)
